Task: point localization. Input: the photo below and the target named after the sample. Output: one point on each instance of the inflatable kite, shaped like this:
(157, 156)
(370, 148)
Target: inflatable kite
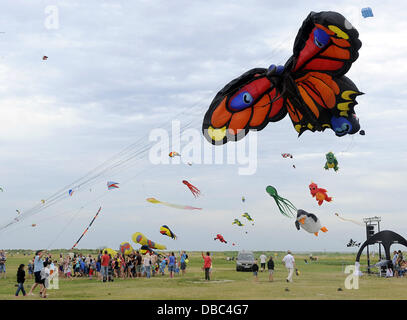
(165, 231)
(284, 205)
(319, 194)
(86, 230)
(220, 238)
(110, 251)
(146, 249)
(126, 248)
(112, 185)
(176, 206)
(174, 154)
(311, 87)
(350, 220)
(237, 222)
(195, 191)
(367, 12)
(248, 217)
(309, 222)
(140, 238)
(331, 162)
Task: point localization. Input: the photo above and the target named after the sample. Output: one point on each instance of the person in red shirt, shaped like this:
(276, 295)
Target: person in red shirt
(207, 264)
(105, 265)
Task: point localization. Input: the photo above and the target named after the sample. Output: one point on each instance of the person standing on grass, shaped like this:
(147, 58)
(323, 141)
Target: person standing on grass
(3, 260)
(207, 264)
(270, 267)
(147, 265)
(263, 259)
(171, 264)
(20, 280)
(45, 273)
(255, 269)
(105, 259)
(38, 265)
(289, 263)
(138, 264)
(182, 260)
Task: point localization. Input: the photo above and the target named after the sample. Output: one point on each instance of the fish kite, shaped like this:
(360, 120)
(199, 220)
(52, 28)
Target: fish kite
(220, 238)
(126, 248)
(140, 238)
(319, 194)
(166, 231)
(248, 217)
(350, 220)
(195, 191)
(171, 205)
(309, 222)
(331, 162)
(236, 221)
(284, 205)
(112, 185)
(311, 87)
(174, 154)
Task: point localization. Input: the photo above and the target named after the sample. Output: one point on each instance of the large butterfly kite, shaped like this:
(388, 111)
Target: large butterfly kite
(311, 87)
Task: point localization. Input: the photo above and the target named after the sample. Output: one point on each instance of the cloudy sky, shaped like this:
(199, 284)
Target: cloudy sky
(118, 71)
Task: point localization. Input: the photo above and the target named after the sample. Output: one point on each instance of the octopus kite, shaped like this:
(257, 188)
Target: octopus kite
(311, 87)
(195, 191)
(284, 205)
(319, 194)
(220, 238)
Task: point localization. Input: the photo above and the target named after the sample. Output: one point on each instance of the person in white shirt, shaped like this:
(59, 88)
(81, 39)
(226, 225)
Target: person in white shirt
(263, 259)
(289, 263)
(45, 273)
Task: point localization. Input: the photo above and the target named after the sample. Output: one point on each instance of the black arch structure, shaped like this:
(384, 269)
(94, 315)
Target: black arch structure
(385, 238)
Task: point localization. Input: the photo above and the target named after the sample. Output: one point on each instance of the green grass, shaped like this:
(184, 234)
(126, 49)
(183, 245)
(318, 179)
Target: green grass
(317, 280)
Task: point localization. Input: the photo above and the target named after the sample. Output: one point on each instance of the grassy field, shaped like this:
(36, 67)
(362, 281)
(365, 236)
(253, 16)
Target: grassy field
(317, 280)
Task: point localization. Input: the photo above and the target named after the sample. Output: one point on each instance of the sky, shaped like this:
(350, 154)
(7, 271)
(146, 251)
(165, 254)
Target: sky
(119, 71)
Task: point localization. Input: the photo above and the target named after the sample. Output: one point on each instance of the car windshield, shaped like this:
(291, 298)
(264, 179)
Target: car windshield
(246, 256)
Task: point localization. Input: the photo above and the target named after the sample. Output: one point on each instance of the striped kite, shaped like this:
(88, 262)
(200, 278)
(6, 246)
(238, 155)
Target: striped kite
(86, 230)
(112, 185)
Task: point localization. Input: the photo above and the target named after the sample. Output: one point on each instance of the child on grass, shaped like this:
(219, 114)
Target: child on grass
(20, 280)
(255, 269)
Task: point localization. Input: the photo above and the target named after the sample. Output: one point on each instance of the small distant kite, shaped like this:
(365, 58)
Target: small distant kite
(18, 211)
(353, 243)
(166, 231)
(367, 12)
(350, 220)
(284, 205)
(309, 222)
(1, 189)
(248, 217)
(44, 58)
(319, 194)
(112, 185)
(70, 192)
(171, 205)
(220, 238)
(43, 201)
(140, 238)
(243, 199)
(362, 132)
(195, 191)
(331, 162)
(237, 222)
(174, 154)
(287, 155)
(33, 225)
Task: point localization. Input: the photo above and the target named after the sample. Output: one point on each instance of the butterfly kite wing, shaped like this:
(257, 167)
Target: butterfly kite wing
(246, 103)
(319, 96)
